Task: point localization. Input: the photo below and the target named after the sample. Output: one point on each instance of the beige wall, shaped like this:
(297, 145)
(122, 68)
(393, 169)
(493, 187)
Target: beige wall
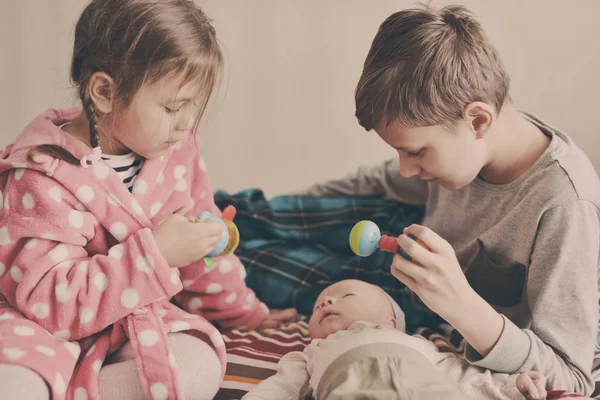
(284, 117)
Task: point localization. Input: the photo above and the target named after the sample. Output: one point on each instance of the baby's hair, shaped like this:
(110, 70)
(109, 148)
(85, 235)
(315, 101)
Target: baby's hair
(425, 65)
(136, 43)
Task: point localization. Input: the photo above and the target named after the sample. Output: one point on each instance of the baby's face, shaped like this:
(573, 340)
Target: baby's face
(346, 302)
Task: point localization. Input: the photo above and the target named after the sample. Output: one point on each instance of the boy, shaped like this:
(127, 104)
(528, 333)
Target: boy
(512, 204)
(359, 350)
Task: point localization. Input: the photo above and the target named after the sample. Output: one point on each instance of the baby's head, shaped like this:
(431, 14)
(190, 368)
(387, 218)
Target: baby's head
(348, 301)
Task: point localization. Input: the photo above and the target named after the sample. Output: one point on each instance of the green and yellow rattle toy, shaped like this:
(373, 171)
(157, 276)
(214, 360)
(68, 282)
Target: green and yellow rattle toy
(231, 237)
(366, 238)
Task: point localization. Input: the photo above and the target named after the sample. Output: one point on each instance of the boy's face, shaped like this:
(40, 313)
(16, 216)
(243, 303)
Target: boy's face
(346, 302)
(434, 153)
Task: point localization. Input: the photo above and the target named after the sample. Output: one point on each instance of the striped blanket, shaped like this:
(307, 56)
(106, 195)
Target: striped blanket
(293, 247)
(253, 356)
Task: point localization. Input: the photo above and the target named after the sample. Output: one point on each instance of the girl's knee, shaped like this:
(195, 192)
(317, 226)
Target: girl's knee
(198, 366)
(20, 383)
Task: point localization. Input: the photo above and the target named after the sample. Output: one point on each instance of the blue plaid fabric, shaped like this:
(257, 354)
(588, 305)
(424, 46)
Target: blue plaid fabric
(295, 246)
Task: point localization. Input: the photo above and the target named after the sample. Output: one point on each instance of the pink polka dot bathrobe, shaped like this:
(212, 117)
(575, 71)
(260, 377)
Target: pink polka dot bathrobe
(80, 273)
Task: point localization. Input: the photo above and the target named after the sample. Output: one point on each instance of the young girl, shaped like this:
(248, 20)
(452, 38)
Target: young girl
(95, 230)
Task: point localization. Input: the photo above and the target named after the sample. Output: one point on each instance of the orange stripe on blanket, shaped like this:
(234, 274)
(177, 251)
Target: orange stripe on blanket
(241, 379)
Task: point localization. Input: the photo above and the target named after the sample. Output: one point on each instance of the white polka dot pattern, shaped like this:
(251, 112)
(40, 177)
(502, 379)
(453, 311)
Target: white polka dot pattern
(85, 194)
(4, 236)
(80, 394)
(40, 310)
(118, 230)
(130, 298)
(28, 201)
(148, 338)
(159, 391)
(140, 186)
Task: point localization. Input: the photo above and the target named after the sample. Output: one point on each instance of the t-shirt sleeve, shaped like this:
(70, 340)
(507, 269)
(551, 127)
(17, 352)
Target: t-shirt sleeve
(562, 299)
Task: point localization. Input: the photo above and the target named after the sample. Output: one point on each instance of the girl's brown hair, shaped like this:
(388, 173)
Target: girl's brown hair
(138, 42)
(425, 65)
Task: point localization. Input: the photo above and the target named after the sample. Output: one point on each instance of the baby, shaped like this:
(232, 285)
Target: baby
(360, 350)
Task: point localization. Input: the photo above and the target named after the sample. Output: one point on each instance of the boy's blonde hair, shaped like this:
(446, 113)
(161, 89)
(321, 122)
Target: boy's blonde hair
(425, 66)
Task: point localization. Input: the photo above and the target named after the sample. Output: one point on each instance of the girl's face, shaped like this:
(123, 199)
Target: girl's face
(160, 115)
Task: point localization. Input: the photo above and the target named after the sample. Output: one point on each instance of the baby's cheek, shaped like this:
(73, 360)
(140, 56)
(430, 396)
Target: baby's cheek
(313, 328)
(342, 323)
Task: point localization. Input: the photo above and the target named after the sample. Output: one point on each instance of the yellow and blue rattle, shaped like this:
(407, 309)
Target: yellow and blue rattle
(366, 238)
(231, 235)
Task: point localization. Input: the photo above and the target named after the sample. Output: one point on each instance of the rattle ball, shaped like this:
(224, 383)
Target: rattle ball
(364, 238)
(231, 235)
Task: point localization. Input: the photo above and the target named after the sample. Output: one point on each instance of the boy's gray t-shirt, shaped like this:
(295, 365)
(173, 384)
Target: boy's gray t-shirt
(530, 248)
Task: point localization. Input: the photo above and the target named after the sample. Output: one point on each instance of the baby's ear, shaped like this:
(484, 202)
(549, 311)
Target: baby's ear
(392, 322)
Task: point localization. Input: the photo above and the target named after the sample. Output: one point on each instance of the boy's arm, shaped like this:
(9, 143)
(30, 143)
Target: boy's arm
(289, 383)
(383, 179)
(562, 287)
(218, 292)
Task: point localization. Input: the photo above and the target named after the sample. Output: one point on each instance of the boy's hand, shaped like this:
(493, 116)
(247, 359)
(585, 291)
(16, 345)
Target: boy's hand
(277, 317)
(532, 385)
(434, 275)
(182, 242)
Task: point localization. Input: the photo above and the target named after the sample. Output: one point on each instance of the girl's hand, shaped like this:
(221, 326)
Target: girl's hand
(434, 274)
(278, 317)
(182, 242)
(532, 385)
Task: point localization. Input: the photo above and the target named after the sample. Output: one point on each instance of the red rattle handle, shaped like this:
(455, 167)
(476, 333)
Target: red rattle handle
(388, 243)
(228, 213)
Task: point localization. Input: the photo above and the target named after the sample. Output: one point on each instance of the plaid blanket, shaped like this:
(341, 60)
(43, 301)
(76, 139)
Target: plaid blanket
(295, 246)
